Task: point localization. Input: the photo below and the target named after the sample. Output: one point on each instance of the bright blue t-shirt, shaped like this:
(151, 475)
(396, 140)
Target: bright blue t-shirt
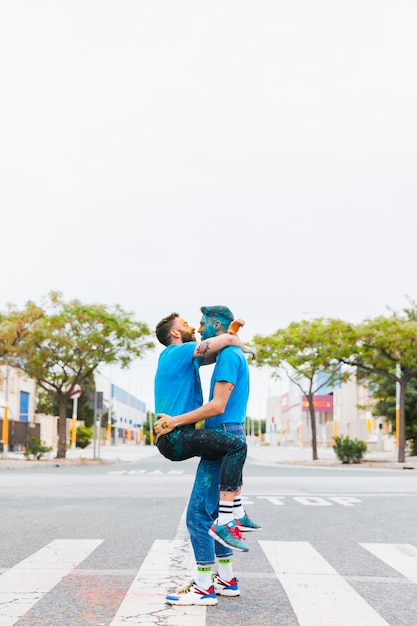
(177, 386)
(232, 367)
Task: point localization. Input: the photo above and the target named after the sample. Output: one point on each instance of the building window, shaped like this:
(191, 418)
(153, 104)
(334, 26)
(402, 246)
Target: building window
(24, 407)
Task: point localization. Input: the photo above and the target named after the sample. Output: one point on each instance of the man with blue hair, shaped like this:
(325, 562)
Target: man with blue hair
(225, 410)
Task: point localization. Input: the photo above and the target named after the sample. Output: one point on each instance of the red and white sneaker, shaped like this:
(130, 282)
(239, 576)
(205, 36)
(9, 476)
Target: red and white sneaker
(193, 594)
(225, 587)
(228, 535)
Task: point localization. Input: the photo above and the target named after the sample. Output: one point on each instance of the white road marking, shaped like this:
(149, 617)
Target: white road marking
(22, 586)
(313, 501)
(276, 500)
(400, 556)
(318, 594)
(162, 572)
(143, 472)
(345, 500)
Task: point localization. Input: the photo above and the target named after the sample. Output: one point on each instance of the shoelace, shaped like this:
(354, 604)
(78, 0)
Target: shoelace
(187, 588)
(237, 533)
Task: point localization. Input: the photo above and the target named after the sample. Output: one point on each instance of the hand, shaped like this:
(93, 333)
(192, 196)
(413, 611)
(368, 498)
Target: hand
(163, 425)
(235, 326)
(249, 350)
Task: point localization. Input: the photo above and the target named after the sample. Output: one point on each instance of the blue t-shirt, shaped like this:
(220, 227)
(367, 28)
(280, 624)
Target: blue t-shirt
(177, 386)
(232, 367)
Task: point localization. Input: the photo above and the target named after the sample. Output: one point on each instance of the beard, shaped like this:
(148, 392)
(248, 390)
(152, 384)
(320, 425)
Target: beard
(187, 336)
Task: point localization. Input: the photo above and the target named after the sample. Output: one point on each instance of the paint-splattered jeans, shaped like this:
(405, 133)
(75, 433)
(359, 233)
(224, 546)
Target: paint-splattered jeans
(211, 443)
(203, 505)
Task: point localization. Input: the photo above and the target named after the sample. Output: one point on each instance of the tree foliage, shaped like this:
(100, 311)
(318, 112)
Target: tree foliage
(378, 347)
(69, 341)
(384, 389)
(15, 325)
(48, 404)
(304, 350)
(386, 347)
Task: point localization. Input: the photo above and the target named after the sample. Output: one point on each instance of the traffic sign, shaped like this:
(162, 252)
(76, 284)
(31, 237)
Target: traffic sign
(76, 391)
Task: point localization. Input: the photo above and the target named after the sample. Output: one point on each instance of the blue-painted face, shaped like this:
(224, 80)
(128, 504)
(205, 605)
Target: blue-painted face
(207, 328)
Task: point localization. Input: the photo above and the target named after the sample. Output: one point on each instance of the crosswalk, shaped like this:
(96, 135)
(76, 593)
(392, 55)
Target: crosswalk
(316, 592)
(22, 586)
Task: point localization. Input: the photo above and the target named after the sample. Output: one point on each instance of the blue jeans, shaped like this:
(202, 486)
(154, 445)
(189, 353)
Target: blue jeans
(203, 505)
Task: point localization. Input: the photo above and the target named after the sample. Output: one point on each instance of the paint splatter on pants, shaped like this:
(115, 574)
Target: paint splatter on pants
(214, 443)
(204, 502)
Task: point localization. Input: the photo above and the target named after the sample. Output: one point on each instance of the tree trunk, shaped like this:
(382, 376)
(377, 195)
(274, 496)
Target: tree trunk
(62, 428)
(313, 427)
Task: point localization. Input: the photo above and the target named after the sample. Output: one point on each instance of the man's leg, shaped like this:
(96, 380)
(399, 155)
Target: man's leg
(204, 506)
(231, 451)
(203, 501)
(206, 484)
(200, 590)
(243, 521)
(225, 581)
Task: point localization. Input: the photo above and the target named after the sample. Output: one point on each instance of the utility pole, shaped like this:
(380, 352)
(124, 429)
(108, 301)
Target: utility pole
(109, 415)
(96, 403)
(75, 394)
(5, 435)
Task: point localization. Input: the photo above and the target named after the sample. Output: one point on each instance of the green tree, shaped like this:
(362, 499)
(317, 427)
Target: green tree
(14, 326)
(385, 390)
(70, 341)
(304, 350)
(386, 347)
(48, 404)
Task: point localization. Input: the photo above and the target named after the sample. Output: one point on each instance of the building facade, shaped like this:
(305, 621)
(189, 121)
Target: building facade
(343, 409)
(18, 394)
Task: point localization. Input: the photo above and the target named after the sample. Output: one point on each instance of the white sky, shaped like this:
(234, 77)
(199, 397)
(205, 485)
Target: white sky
(169, 154)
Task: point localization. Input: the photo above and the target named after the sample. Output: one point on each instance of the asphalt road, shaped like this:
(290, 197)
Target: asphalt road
(100, 543)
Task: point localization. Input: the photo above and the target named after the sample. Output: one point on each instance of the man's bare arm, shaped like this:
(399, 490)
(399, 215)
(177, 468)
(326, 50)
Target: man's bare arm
(208, 349)
(216, 406)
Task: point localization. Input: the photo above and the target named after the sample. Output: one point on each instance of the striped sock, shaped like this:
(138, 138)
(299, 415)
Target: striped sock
(238, 510)
(225, 512)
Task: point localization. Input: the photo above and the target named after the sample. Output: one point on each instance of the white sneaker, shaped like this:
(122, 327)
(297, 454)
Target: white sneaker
(192, 594)
(225, 587)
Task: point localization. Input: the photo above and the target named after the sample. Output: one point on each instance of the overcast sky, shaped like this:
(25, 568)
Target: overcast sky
(168, 154)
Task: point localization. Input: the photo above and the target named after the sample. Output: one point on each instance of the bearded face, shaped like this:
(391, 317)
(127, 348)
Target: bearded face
(187, 335)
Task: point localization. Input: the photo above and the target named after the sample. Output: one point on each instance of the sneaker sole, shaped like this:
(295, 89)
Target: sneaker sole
(224, 543)
(246, 529)
(202, 602)
(227, 592)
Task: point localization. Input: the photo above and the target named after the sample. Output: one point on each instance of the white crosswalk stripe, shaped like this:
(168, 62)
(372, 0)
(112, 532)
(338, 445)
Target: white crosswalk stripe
(316, 592)
(22, 586)
(400, 556)
(162, 572)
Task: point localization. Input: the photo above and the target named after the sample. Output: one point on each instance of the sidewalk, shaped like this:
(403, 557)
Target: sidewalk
(261, 454)
(303, 455)
(124, 453)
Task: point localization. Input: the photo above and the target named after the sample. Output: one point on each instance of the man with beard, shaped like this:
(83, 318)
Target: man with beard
(178, 390)
(230, 383)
